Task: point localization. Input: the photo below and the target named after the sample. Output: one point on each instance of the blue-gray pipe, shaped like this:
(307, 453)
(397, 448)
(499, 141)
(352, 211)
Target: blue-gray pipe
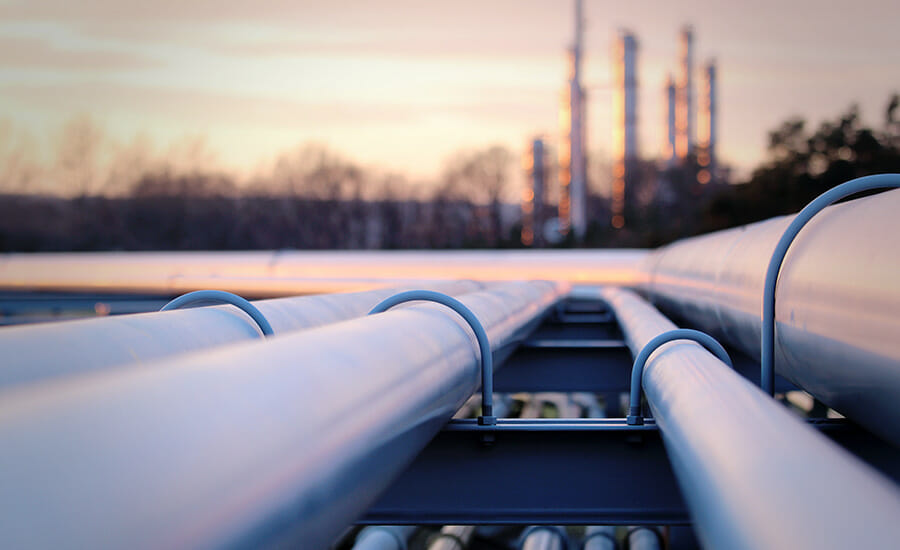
(767, 341)
(753, 474)
(384, 537)
(600, 537)
(281, 441)
(36, 353)
(836, 314)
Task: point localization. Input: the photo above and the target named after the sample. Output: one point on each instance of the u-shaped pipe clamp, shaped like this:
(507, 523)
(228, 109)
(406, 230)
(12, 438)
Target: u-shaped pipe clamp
(767, 336)
(487, 362)
(637, 372)
(226, 298)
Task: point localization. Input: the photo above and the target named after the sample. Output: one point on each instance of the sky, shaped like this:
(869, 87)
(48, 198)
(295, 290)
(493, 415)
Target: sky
(403, 84)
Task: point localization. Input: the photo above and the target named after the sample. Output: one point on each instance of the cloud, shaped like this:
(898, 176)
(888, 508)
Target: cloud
(35, 53)
(200, 108)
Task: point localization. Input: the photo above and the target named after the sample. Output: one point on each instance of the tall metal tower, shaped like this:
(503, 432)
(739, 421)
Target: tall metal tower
(625, 152)
(706, 153)
(533, 196)
(669, 128)
(572, 160)
(685, 139)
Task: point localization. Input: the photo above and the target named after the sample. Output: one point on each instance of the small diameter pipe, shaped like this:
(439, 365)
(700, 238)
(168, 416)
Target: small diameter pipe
(384, 537)
(643, 538)
(452, 537)
(544, 537)
(600, 537)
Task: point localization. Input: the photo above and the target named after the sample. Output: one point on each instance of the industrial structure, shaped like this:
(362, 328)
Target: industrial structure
(494, 417)
(533, 203)
(706, 153)
(685, 138)
(572, 156)
(625, 123)
(668, 122)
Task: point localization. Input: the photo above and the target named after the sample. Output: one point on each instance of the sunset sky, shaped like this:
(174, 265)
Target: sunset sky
(402, 84)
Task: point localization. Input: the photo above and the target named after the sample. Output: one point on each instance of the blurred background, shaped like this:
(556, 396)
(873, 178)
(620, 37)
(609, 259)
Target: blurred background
(404, 124)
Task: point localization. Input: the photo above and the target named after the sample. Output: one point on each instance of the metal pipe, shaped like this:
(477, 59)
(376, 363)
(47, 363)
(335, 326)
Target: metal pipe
(452, 537)
(753, 474)
(484, 347)
(600, 537)
(643, 538)
(637, 370)
(384, 537)
(282, 441)
(544, 537)
(39, 352)
(767, 341)
(289, 273)
(202, 296)
(837, 322)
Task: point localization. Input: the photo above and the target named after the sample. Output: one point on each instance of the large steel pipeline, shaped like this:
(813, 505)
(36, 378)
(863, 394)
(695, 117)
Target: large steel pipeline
(753, 474)
(32, 353)
(288, 273)
(837, 308)
(279, 441)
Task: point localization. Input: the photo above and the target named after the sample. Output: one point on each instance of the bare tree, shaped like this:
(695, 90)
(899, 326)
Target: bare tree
(78, 157)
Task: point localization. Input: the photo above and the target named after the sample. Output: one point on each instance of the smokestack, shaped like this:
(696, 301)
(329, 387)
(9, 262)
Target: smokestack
(706, 155)
(685, 139)
(533, 196)
(572, 159)
(669, 127)
(625, 152)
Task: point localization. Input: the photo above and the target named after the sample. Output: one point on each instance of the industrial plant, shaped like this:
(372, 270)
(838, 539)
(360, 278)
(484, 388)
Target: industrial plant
(688, 129)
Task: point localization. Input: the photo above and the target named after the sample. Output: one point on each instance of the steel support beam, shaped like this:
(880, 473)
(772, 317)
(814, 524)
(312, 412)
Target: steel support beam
(837, 309)
(39, 352)
(282, 441)
(753, 474)
(547, 472)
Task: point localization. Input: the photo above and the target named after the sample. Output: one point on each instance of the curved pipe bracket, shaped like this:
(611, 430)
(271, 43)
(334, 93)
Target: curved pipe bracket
(767, 336)
(556, 530)
(223, 297)
(487, 362)
(637, 372)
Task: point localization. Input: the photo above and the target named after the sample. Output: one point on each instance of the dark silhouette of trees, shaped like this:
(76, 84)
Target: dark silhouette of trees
(803, 164)
(316, 199)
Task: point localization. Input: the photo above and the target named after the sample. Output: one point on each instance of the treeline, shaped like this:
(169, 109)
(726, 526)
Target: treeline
(315, 200)
(217, 222)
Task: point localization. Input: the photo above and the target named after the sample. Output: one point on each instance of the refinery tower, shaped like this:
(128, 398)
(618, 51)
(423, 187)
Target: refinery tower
(572, 159)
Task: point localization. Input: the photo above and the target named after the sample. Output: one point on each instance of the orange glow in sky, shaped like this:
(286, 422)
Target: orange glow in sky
(402, 84)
